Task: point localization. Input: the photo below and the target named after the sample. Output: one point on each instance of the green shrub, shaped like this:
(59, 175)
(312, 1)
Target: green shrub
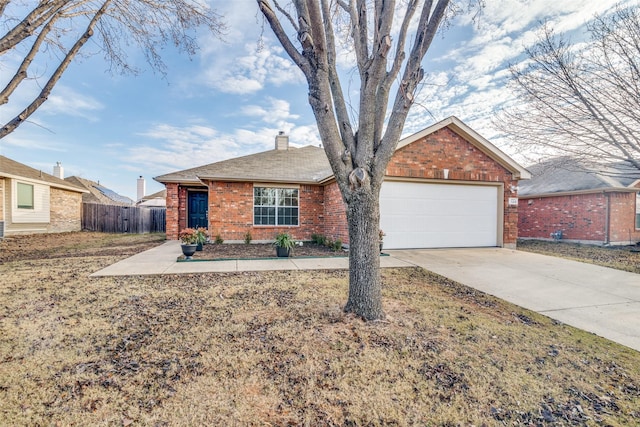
(219, 240)
(247, 237)
(284, 240)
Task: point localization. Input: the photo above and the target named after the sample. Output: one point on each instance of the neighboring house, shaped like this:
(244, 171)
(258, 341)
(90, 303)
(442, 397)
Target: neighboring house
(599, 207)
(99, 194)
(445, 187)
(155, 200)
(32, 201)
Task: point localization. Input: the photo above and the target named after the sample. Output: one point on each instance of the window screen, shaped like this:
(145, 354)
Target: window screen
(275, 206)
(25, 196)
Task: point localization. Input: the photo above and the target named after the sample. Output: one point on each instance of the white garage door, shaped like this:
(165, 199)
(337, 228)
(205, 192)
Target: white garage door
(421, 215)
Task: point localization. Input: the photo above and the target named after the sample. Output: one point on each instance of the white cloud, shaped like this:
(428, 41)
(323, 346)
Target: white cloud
(276, 112)
(65, 100)
(252, 71)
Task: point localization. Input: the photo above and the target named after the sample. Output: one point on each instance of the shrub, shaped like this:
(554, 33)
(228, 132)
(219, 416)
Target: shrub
(247, 237)
(284, 240)
(219, 240)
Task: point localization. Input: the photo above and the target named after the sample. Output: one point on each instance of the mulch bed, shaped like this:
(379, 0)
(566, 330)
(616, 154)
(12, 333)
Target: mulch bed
(259, 251)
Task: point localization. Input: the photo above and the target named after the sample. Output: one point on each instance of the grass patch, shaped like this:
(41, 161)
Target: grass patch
(626, 258)
(275, 348)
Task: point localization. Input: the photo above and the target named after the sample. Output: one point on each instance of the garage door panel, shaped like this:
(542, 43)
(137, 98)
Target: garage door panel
(425, 215)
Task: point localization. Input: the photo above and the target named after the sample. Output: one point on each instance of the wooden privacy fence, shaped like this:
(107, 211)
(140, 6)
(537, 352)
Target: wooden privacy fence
(123, 219)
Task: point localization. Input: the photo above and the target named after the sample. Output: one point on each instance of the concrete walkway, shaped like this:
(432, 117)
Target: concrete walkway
(596, 299)
(162, 260)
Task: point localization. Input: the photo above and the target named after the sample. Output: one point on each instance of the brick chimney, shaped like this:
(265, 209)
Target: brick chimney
(282, 141)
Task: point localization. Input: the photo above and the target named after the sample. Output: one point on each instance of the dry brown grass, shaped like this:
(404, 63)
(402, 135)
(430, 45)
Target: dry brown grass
(275, 349)
(626, 258)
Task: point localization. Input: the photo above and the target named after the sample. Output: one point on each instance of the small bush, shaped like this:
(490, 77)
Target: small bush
(247, 237)
(284, 240)
(336, 245)
(319, 239)
(219, 240)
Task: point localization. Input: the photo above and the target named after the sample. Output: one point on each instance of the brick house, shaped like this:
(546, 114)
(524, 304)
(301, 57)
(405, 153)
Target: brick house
(446, 186)
(32, 201)
(586, 205)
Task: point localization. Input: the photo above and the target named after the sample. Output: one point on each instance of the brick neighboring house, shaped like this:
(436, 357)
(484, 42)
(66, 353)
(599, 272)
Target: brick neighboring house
(32, 201)
(588, 206)
(446, 186)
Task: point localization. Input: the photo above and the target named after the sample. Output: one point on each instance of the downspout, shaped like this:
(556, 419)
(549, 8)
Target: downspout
(607, 218)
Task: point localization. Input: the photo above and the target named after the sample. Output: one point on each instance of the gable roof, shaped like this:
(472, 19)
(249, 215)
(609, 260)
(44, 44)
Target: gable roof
(474, 138)
(15, 170)
(567, 175)
(306, 165)
(309, 165)
(162, 194)
(99, 194)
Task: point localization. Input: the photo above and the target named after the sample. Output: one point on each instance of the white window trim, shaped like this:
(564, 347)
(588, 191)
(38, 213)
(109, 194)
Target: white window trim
(41, 212)
(275, 186)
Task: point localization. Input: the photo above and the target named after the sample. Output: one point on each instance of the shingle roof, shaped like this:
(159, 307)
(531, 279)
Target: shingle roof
(300, 165)
(98, 193)
(12, 169)
(568, 175)
(162, 194)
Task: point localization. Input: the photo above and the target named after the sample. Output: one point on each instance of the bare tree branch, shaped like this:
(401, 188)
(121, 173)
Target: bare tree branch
(584, 103)
(46, 91)
(56, 26)
(360, 156)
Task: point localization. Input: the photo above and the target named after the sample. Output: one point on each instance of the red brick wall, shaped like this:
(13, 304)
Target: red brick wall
(322, 210)
(335, 214)
(580, 217)
(622, 218)
(231, 212)
(445, 149)
(173, 204)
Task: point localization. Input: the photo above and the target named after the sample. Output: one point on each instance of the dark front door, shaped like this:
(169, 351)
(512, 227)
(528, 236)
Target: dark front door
(197, 210)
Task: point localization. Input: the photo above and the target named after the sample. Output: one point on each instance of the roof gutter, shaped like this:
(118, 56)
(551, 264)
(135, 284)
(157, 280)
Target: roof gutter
(42, 182)
(579, 192)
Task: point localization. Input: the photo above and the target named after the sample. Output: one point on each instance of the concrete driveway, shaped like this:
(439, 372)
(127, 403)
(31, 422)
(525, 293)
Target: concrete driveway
(597, 299)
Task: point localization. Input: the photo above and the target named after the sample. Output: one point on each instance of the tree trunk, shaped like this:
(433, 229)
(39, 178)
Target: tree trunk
(365, 284)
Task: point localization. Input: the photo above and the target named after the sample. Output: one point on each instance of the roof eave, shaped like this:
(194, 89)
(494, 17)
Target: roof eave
(580, 192)
(259, 179)
(474, 138)
(42, 182)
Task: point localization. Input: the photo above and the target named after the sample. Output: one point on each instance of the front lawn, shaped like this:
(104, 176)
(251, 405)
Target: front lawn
(626, 258)
(274, 348)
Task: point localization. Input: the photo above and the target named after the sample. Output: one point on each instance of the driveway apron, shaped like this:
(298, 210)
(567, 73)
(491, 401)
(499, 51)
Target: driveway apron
(596, 299)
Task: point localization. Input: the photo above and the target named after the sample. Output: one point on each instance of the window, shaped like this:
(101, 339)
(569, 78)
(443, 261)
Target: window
(275, 206)
(638, 210)
(25, 195)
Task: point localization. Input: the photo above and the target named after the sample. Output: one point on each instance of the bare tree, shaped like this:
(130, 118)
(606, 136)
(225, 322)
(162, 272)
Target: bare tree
(583, 102)
(55, 31)
(359, 151)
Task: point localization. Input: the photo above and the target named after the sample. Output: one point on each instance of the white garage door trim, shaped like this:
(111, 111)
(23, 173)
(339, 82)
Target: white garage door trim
(416, 214)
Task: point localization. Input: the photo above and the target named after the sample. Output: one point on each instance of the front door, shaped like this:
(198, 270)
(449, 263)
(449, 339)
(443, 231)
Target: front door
(197, 209)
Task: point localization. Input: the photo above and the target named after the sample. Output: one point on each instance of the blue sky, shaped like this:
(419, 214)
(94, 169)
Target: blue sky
(232, 97)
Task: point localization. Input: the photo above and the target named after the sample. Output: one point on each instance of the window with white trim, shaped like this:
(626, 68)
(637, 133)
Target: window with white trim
(275, 206)
(25, 195)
